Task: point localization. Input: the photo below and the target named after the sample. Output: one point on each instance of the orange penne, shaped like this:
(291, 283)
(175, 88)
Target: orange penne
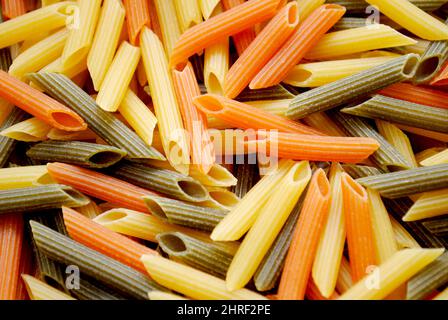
(100, 186)
(417, 94)
(26, 267)
(39, 105)
(137, 16)
(155, 24)
(245, 116)
(186, 87)
(314, 148)
(304, 38)
(361, 245)
(305, 239)
(243, 39)
(263, 48)
(11, 238)
(13, 8)
(221, 26)
(442, 78)
(101, 239)
(313, 293)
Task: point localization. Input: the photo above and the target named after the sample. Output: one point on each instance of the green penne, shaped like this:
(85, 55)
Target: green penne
(170, 183)
(386, 156)
(126, 280)
(438, 227)
(247, 175)
(429, 279)
(403, 112)
(85, 154)
(270, 269)
(277, 92)
(431, 61)
(50, 271)
(359, 6)
(7, 144)
(350, 23)
(408, 182)
(90, 289)
(40, 198)
(184, 214)
(353, 87)
(103, 123)
(398, 208)
(198, 254)
(357, 172)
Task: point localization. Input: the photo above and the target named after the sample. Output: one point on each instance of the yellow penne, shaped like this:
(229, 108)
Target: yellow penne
(391, 274)
(30, 130)
(242, 217)
(317, 74)
(442, 295)
(56, 134)
(216, 63)
(398, 139)
(412, 18)
(427, 153)
(188, 13)
(22, 177)
(324, 123)
(419, 48)
(36, 22)
(71, 71)
(5, 109)
(160, 295)
(402, 236)
(344, 281)
(428, 205)
(270, 219)
(39, 55)
(174, 139)
(218, 176)
(31, 42)
(207, 7)
(439, 158)
(331, 246)
(81, 32)
(105, 41)
(138, 115)
(355, 40)
(38, 290)
(192, 282)
(383, 231)
(168, 23)
(48, 2)
(147, 227)
(220, 198)
(118, 77)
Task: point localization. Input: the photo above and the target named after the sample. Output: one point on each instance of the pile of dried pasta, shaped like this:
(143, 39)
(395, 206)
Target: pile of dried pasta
(223, 149)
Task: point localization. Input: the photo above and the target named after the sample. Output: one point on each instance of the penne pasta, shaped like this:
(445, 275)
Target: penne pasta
(105, 41)
(7, 144)
(396, 270)
(309, 32)
(191, 282)
(137, 17)
(168, 23)
(412, 18)
(439, 158)
(228, 23)
(81, 34)
(301, 254)
(345, 42)
(428, 205)
(335, 94)
(36, 22)
(31, 130)
(188, 13)
(39, 55)
(166, 108)
(331, 244)
(22, 177)
(208, 7)
(421, 95)
(266, 227)
(118, 77)
(41, 106)
(39, 290)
